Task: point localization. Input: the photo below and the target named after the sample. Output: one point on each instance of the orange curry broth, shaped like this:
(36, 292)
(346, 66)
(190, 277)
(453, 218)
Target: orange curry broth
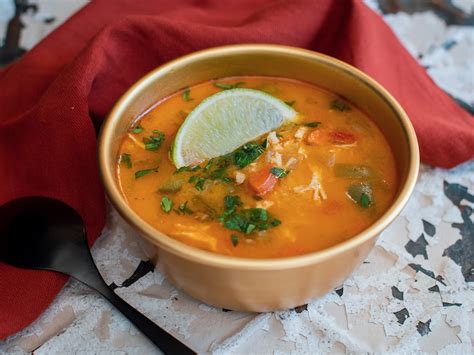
(307, 224)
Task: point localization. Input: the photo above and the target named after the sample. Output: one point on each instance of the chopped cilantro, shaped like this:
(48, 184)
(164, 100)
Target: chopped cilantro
(312, 124)
(200, 183)
(265, 143)
(245, 220)
(250, 228)
(362, 194)
(247, 154)
(234, 239)
(184, 209)
(154, 141)
(166, 204)
(279, 172)
(208, 165)
(228, 179)
(364, 200)
(279, 135)
(230, 204)
(186, 168)
(340, 105)
(186, 93)
(228, 86)
(193, 178)
(140, 173)
(137, 129)
(290, 103)
(126, 159)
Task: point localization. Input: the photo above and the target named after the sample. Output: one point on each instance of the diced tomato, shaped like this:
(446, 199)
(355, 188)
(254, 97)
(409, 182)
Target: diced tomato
(315, 137)
(263, 181)
(341, 137)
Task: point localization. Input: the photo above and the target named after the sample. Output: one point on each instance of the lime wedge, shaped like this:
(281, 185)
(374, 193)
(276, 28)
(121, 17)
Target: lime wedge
(225, 121)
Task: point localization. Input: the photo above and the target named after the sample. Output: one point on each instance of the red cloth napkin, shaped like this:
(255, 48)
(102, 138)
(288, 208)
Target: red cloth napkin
(51, 100)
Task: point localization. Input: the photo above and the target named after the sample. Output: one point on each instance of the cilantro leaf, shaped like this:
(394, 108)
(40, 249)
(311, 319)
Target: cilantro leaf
(228, 86)
(137, 129)
(126, 159)
(200, 183)
(247, 220)
(140, 173)
(365, 200)
(166, 204)
(154, 141)
(208, 165)
(232, 202)
(184, 209)
(279, 172)
(186, 168)
(186, 93)
(247, 154)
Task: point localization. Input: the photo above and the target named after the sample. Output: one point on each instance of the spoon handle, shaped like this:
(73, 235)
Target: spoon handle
(165, 341)
(90, 276)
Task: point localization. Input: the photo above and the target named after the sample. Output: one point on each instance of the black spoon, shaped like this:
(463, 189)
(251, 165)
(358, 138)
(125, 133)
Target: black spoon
(43, 233)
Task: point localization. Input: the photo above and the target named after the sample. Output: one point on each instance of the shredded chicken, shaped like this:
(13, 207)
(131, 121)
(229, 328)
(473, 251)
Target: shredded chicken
(291, 163)
(239, 177)
(276, 159)
(299, 134)
(314, 185)
(272, 138)
(302, 151)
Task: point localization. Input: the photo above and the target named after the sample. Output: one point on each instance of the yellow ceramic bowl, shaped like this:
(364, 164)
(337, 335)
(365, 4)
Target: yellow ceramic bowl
(249, 284)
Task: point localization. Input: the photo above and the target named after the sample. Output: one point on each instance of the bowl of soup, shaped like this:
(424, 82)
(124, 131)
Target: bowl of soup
(288, 214)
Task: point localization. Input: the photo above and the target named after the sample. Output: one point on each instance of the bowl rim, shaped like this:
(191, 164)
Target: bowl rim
(200, 256)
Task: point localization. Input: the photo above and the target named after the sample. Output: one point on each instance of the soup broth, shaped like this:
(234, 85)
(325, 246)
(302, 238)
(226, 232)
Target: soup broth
(304, 187)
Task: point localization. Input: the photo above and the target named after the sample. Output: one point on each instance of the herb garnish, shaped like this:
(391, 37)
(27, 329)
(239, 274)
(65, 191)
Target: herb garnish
(364, 200)
(340, 105)
(208, 165)
(154, 141)
(186, 93)
(247, 154)
(216, 168)
(126, 159)
(245, 220)
(184, 209)
(140, 173)
(137, 129)
(312, 124)
(290, 103)
(228, 86)
(186, 168)
(166, 204)
(279, 172)
(362, 194)
(200, 183)
(234, 239)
